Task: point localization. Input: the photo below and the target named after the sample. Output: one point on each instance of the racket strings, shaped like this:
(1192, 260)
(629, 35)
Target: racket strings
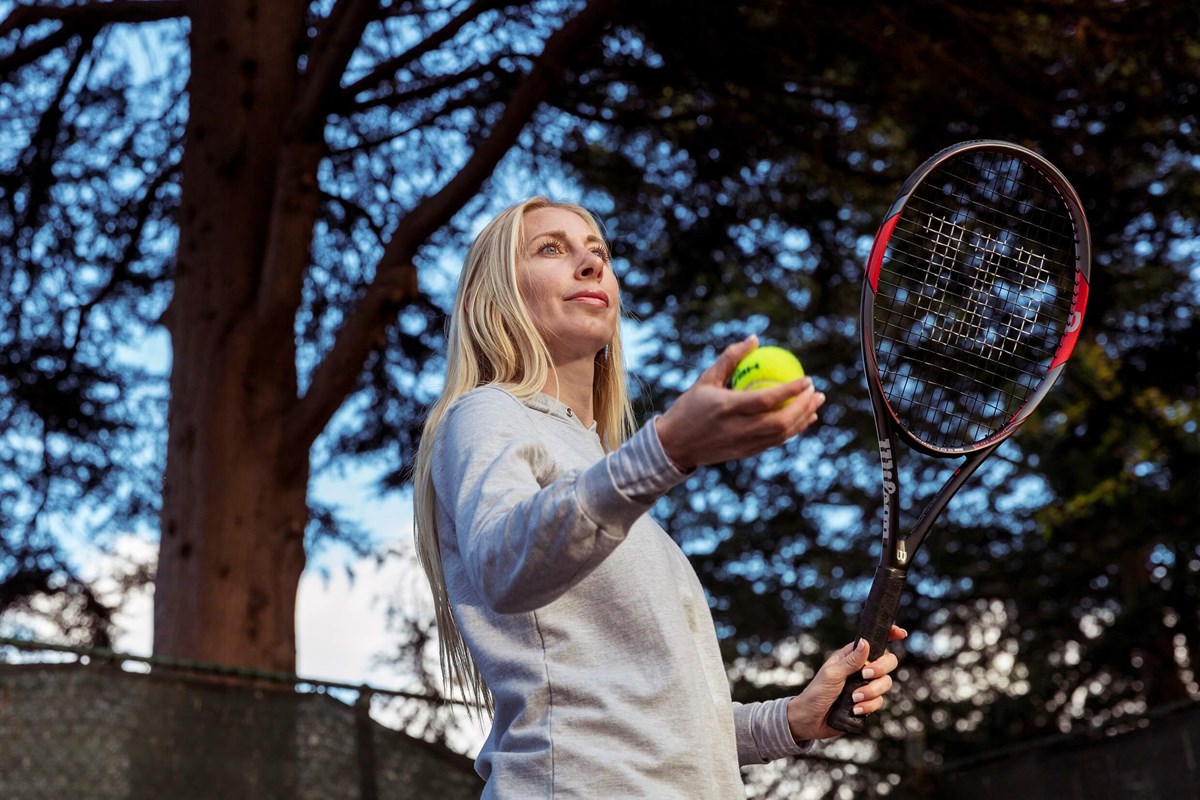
(973, 298)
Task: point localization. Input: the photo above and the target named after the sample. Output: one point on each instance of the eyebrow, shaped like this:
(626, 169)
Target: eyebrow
(591, 237)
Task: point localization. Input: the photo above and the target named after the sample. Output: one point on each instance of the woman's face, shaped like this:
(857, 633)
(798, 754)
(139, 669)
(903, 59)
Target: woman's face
(567, 281)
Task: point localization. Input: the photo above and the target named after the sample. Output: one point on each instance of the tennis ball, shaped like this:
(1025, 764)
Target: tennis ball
(766, 367)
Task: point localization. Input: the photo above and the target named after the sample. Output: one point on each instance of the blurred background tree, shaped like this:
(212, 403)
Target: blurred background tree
(285, 189)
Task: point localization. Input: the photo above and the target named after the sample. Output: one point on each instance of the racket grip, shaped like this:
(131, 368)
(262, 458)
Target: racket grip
(875, 624)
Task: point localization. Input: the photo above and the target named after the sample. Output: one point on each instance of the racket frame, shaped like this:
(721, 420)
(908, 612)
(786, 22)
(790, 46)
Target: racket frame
(883, 601)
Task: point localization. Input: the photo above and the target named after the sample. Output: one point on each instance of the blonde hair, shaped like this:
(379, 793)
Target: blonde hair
(493, 341)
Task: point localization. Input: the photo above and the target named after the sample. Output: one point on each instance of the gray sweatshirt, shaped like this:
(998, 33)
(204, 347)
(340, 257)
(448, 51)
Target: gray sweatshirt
(586, 619)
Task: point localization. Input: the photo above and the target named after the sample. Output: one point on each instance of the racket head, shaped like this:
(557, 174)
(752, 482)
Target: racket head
(974, 296)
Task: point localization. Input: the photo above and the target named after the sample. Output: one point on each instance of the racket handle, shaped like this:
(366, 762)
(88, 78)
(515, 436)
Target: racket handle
(875, 624)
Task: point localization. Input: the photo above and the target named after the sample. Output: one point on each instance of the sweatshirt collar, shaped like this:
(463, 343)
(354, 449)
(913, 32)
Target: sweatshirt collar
(555, 408)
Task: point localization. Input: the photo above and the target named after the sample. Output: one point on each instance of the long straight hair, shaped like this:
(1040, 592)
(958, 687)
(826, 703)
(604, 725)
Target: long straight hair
(493, 341)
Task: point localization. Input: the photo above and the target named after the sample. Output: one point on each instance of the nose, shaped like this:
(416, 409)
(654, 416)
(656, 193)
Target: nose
(590, 266)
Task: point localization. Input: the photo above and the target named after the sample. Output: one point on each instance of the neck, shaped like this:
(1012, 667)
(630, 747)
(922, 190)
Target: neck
(571, 382)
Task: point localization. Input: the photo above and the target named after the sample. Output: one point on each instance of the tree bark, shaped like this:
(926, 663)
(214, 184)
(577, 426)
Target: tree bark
(234, 503)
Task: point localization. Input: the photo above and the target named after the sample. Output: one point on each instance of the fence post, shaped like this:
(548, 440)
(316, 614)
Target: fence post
(368, 773)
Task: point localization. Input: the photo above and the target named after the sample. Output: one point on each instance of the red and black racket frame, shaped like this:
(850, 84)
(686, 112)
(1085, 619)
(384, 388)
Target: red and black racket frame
(883, 601)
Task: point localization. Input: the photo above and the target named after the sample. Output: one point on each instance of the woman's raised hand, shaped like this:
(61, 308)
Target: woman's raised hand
(710, 423)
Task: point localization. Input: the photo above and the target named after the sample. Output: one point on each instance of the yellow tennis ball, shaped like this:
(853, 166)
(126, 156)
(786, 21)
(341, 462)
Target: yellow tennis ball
(766, 367)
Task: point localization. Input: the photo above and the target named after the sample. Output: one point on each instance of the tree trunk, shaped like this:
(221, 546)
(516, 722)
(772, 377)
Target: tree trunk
(235, 495)
(234, 500)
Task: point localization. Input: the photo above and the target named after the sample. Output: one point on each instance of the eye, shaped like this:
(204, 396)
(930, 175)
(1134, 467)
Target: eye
(550, 248)
(602, 253)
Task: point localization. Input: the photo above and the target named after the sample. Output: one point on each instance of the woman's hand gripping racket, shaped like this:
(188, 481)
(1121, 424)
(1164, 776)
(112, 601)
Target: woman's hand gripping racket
(972, 302)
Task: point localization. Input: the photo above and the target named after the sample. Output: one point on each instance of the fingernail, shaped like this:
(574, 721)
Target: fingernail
(858, 697)
(868, 673)
(858, 711)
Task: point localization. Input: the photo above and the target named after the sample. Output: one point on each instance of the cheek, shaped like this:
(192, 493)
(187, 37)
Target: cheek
(614, 290)
(534, 290)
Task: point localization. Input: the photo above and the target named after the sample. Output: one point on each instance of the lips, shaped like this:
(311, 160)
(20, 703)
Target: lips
(591, 297)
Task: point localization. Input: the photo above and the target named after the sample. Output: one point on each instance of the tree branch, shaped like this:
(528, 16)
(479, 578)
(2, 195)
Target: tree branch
(395, 282)
(76, 20)
(37, 162)
(425, 91)
(295, 200)
(337, 41)
(433, 116)
(356, 211)
(93, 13)
(121, 269)
(34, 52)
(387, 69)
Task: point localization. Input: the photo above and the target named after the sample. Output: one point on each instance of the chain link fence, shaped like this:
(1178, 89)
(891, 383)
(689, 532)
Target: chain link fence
(93, 727)
(1158, 759)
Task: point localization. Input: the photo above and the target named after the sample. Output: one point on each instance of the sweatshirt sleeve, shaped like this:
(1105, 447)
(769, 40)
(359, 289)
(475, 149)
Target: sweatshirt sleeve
(527, 528)
(763, 733)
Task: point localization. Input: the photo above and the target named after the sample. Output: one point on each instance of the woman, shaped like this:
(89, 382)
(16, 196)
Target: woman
(561, 606)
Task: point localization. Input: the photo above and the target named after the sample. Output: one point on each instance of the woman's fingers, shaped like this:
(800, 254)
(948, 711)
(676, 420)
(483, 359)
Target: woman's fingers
(720, 371)
(761, 401)
(781, 412)
(868, 698)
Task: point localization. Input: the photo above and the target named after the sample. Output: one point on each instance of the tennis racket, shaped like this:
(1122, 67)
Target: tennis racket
(972, 302)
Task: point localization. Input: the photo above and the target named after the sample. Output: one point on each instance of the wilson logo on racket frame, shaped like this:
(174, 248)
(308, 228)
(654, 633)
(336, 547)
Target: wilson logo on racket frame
(889, 485)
